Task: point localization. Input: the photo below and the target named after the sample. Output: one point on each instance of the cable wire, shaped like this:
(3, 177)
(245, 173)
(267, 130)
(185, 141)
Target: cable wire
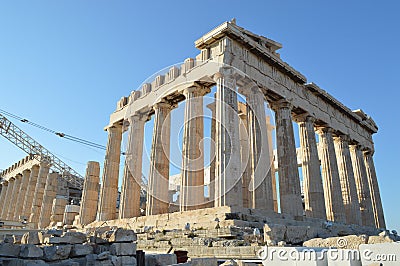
(60, 134)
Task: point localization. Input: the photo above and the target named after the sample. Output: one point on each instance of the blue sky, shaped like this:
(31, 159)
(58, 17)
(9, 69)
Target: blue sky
(65, 64)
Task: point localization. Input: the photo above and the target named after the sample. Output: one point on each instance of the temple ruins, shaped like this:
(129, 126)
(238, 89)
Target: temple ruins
(250, 183)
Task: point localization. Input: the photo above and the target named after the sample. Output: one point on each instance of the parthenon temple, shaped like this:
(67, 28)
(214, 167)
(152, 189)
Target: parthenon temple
(279, 146)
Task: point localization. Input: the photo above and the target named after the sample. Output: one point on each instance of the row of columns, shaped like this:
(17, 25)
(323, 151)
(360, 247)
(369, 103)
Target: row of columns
(339, 179)
(32, 195)
(345, 192)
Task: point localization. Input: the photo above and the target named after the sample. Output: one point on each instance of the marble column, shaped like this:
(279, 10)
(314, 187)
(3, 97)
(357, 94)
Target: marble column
(90, 193)
(312, 181)
(22, 193)
(8, 197)
(49, 194)
(211, 187)
(228, 170)
(130, 194)
(261, 192)
(363, 191)
(157, 194)
(330, 174)
(107, 208)
(58, 208)
(16, 188)
(38, 194)
(30, 192)
(374, 190)
(347, 181)
(271, 128)
(4, 188)
(192, 177)
(244, 154)
(289, 180)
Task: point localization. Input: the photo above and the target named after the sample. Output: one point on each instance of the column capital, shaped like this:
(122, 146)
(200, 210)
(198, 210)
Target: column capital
(197, 89)
(281, 104)
(136, 117)
(324, 130)
(368, 151)
(26, 171)
(163, 104)
(305, 117)
(225, 72)
(342, 138)
(355, 146)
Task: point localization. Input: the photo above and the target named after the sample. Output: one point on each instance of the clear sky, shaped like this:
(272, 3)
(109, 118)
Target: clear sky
(65, 64)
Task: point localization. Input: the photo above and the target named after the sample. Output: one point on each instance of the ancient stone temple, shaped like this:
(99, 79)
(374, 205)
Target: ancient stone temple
(335, 152)
(258, 177)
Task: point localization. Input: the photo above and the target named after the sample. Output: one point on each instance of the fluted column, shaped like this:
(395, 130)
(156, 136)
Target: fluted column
(192, 178)
(244, 154)
(374, 190)
(312, 180)
(130, 194)
(49, 195)
(289, 180)
(330, 174)
(261, 192)
(39, 191)
(271, 128)
(3, 198)
(22, 193)
(228, 170)
(90, 193)
(8, 200)
(347, 181)
(30, 191)
(14, 197)
(157, 194)
(363, 191)
(107, 208)
(211, 187)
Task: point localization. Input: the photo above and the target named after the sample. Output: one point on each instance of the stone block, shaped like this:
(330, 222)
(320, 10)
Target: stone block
(30, 238)
(101, 248)
(274, 232)
(52, 253)
(296, 234)
(343, 257)
(345, 242)
(54, 232)
(123, 249)
(160, 259)
(203, 262)
(386, 253)
(379, 239)
(79, 250)
(103, 256)
(293, 256)
(35, 263)
(123, 235)
(30, 251)
(125, 261)
(74, 237)
(9, 250)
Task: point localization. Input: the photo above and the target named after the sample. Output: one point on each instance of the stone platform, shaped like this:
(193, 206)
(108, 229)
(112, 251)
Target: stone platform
(227, 232)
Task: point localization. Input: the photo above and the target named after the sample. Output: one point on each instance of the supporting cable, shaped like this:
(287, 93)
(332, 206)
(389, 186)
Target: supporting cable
(59, 134)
